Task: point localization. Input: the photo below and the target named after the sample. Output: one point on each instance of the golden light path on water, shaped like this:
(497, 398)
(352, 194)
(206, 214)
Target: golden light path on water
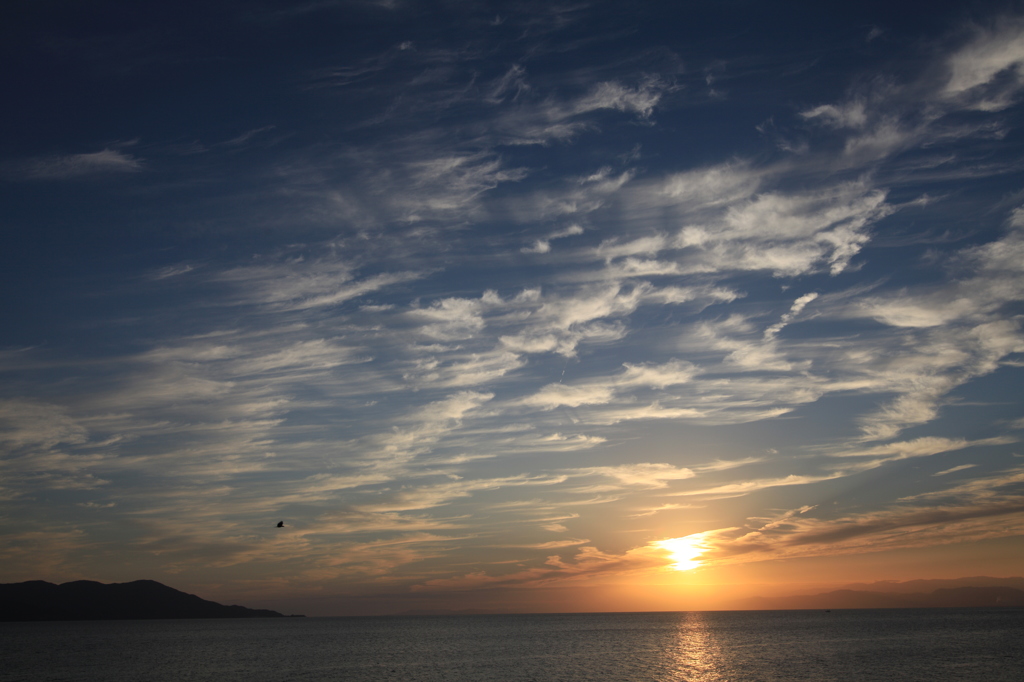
(684, 551)
(697, 655)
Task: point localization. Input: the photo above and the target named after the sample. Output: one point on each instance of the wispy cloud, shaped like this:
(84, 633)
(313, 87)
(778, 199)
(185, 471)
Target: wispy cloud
(59, 167)
(987, 507)
(497, 288)
(986, 72)
(953, 470)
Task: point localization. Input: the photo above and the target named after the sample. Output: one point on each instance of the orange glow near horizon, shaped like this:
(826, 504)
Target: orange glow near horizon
(685, 551)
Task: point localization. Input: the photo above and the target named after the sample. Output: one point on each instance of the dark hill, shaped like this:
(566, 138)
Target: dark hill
(928, 586)
(957, 597)
(88, 600)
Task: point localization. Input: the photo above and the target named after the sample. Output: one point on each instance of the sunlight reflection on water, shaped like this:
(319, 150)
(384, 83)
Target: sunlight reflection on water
(928, 645)
(697, 655)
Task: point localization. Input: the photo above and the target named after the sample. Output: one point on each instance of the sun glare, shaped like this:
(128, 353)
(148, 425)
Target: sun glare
(684, 551)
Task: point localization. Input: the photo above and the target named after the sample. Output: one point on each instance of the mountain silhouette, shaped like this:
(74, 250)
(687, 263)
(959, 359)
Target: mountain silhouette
(89, 600)
(954, 597)
(930, 585)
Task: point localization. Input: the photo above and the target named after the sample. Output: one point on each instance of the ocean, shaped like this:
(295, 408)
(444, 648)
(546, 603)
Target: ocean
(932, 645)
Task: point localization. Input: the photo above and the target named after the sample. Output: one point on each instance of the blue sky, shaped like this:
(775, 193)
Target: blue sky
(485, 300)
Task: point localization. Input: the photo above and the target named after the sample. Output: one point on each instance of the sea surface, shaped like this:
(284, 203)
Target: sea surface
(936, 645)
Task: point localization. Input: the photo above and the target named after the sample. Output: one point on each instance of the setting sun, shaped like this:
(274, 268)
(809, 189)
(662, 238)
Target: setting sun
(684, 551)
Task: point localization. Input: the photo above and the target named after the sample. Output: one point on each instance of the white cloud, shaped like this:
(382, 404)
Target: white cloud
(951, 470)
(451, 182)
(536, 120)
(710, 187)
(616, 414)
(27, 423)
(426, 497)
(459, 370)
(356, 289)
(727, 225)
(539, 246)
(642, 474)
(173, 271)
(746, 487)
(561, 322)
(558, 395)
(920, 447)
(640, 100)
(989, 54)
(301, 285)
(454, 318)
(544, 245)
(426, 427)
(80, 165)
(644, 246)
(798, 305)
(509, 86)
(656, 375)
(848, 115)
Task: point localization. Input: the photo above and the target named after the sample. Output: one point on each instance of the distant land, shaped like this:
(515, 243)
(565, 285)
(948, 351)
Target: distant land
(37, 600)
(448, 612)
(958, 593)
(88, 600)
(929, 585)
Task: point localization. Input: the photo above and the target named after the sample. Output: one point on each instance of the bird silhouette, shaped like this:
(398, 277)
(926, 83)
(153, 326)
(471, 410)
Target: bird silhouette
(280, 524)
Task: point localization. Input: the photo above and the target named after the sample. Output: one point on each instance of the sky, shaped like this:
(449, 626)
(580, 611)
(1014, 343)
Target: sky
(526, 305)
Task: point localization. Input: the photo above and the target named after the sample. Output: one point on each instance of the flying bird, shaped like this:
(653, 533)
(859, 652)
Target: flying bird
(280, 524)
